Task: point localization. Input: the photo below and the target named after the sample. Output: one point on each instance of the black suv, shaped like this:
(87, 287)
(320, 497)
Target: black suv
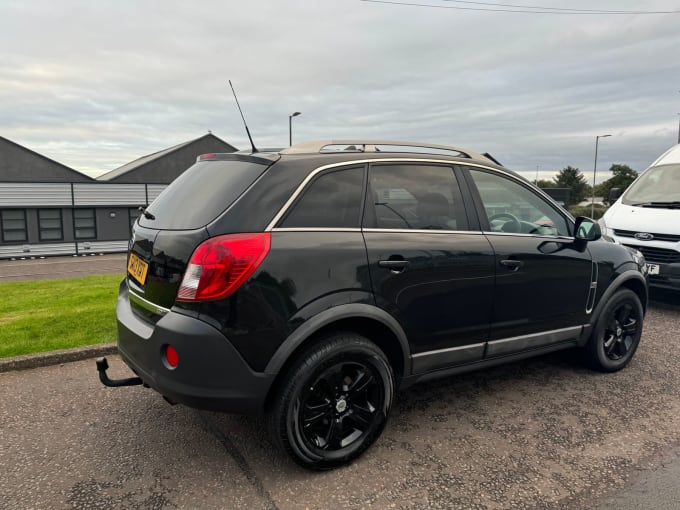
(313, 282)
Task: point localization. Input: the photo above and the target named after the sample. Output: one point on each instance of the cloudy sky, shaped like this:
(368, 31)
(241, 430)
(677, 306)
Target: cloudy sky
(94, 84)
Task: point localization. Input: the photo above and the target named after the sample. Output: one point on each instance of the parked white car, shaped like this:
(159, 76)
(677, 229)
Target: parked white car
(647, 217)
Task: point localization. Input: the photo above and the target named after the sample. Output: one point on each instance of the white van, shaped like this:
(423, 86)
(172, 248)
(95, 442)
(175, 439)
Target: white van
(647, 217)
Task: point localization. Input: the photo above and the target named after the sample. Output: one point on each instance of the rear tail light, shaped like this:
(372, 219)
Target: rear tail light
(220, 265)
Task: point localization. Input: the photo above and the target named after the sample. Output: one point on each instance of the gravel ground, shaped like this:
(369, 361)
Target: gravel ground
(539, 434)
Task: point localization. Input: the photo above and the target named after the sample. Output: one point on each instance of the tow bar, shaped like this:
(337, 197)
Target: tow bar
(103, 366)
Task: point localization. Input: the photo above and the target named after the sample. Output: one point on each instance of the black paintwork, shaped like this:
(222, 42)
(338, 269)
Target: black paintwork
(434, 299)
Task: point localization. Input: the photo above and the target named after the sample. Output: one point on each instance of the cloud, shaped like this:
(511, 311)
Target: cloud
(96, 85)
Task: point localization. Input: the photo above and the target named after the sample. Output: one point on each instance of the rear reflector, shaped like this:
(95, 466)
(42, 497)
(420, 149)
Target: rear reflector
(220, 265)
(171, 357)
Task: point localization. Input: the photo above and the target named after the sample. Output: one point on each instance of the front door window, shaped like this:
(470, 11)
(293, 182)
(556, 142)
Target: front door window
(512, 208)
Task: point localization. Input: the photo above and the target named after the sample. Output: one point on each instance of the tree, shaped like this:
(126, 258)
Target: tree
(544, 183)
(622, 177)
(573, 179)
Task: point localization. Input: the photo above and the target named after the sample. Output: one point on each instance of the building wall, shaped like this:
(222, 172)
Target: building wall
(113, 204)
(30, 182)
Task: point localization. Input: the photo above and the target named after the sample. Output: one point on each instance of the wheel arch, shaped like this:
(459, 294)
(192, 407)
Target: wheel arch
(632, 280)
(367, 320)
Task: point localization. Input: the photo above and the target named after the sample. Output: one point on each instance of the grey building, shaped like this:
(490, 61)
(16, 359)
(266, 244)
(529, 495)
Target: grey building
(47, 208)
(165, 166)
(19, 164)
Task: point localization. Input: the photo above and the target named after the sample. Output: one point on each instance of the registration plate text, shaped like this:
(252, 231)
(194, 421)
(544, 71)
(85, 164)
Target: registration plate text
(137, 268)
(653, 268)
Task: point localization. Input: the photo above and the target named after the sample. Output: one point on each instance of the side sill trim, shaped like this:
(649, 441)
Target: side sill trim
(433, 360)
(511, 345)
(486, 363)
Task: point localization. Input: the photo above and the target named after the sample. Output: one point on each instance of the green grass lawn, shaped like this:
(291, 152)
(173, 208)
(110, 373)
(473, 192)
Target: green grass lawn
(44, 315)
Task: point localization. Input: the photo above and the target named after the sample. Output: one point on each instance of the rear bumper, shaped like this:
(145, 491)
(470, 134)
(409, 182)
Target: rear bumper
(210, 375)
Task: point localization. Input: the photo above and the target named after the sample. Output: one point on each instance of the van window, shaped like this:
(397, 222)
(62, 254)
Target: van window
(657, 184)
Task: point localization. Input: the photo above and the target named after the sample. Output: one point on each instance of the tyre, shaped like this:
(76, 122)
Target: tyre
(617, 332)
(333, 403)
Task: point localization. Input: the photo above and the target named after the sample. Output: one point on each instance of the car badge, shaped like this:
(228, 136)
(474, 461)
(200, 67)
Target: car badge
(644, 236)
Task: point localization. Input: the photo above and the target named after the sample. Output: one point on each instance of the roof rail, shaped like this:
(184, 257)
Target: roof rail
(337, 146)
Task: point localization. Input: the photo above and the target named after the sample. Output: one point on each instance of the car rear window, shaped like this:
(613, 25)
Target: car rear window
(201, 194)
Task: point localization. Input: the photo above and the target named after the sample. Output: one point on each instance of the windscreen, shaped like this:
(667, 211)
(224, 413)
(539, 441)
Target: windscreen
(201, 194)
(657, 184)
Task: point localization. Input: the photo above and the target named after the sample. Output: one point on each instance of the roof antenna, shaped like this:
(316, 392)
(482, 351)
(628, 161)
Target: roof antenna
(244, 119)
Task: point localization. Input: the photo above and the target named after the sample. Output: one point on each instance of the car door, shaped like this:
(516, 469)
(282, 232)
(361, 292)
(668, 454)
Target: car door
(430, 265)
(543, 276)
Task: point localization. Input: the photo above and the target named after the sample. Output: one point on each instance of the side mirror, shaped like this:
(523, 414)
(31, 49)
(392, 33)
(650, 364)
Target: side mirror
(587, 229)
(614, 195)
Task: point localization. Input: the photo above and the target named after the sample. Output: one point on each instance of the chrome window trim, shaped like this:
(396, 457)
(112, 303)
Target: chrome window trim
(316, 229)
(422, 231)
(417, 231)
(374, 230)
(365, 161)
(146, 305)
(535, 236)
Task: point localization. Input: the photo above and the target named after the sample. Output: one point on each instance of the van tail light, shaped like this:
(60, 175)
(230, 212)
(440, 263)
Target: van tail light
(219, 266)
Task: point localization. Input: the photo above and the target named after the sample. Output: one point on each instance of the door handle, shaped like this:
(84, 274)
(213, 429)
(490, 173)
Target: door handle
(512, 264)
(395, 266)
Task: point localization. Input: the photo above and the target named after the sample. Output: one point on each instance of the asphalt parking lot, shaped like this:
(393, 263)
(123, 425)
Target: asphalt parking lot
(544, 433)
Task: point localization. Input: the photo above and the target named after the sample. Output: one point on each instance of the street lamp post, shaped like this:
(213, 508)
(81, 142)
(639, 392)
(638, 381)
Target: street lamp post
(536, 181)
(592, 201)
(290, 127)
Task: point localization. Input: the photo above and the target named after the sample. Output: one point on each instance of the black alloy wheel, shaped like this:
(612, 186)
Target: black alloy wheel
(620, 331)
(339, 406)
(333, 403)
(617, 332)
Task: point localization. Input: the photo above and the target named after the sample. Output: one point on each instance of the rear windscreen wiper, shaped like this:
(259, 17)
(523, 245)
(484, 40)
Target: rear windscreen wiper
(146, 213)
(661, 205)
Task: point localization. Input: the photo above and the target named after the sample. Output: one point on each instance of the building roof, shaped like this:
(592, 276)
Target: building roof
(21, 164)
(123, 172)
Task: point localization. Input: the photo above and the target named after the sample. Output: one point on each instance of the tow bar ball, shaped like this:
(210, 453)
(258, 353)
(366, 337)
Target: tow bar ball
(103, 366)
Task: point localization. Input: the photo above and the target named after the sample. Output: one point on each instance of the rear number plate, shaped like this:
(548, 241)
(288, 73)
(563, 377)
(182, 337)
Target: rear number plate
(137, 268)
(653, 268)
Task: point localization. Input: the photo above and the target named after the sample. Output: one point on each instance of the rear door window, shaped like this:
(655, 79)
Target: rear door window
(201, 194)
(414, 196)
(332, 200)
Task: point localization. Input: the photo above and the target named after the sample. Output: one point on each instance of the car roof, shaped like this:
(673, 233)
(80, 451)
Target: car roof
(669, 157)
